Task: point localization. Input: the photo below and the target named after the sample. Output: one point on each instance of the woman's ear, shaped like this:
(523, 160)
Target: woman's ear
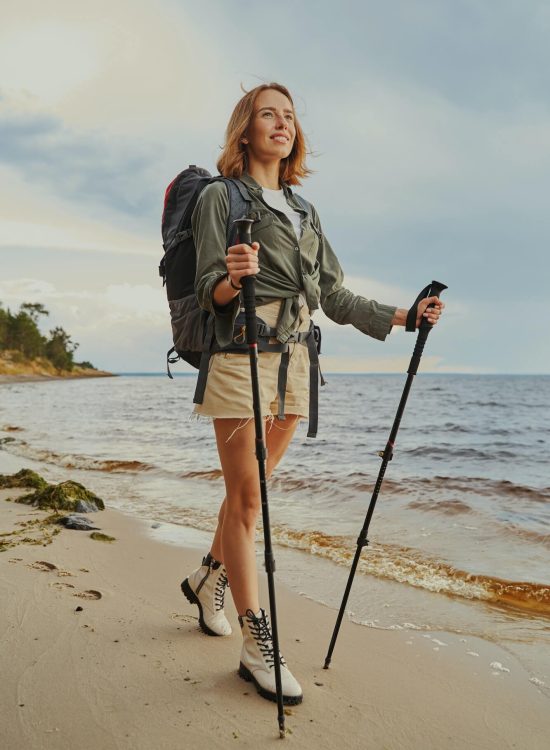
(244, 140)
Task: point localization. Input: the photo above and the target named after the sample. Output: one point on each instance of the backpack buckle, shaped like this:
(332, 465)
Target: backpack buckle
(240, 338)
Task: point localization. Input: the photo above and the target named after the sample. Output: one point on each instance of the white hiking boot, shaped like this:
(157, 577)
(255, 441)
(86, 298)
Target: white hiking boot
(205, 587)
(257, 662)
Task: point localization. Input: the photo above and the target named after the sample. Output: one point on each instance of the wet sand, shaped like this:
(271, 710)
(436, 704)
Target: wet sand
(132, 670)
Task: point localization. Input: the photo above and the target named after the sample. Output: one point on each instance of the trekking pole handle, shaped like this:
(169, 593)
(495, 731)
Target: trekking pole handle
(244, 231)
(432, 290)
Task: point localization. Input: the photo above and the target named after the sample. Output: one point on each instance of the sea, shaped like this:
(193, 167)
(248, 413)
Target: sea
(460, 536)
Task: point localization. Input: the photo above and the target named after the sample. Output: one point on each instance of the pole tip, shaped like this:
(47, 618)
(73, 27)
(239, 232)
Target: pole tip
(282, 733)
(327, 662)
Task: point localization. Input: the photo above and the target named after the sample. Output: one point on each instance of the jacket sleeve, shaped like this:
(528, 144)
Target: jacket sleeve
(209, 224)
(341, 305)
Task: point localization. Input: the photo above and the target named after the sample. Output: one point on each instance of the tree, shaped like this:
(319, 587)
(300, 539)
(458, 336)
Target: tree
(4, 325)
(33, 310)
(23, 334)
(60, 348)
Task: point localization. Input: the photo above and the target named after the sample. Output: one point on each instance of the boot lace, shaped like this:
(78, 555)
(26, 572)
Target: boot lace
(219, 591)
(259, 627)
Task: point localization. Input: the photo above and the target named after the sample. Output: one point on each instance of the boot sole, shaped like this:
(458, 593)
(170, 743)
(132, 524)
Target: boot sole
(288, 700)
(192, 598)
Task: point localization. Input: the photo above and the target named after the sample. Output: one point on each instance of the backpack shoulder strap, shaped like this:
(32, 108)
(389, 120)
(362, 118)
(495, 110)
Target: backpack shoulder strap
(239, 204)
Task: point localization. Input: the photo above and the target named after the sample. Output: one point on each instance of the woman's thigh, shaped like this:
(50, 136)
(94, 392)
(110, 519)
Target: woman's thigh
(278, 438)
(236, 444)
(235, 439)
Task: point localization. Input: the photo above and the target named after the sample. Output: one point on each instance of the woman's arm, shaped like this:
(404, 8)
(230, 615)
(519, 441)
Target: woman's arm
(219, 275)
(368, 316)
(209, 223)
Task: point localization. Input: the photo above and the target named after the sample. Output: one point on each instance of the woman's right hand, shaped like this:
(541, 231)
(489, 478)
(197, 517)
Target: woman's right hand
(242, 260)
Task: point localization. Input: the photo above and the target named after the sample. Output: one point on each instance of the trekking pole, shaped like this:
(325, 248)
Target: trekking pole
(432, 290)
(249, 297)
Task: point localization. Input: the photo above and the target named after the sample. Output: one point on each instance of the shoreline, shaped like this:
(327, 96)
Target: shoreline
(6, 379)
(131, 670)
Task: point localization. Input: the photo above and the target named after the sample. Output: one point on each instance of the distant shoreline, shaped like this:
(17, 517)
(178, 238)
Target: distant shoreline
(34, 378)
(191, 373)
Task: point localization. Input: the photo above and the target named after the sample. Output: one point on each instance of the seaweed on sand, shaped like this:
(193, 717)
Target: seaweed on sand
(64, 496)
(23, 478)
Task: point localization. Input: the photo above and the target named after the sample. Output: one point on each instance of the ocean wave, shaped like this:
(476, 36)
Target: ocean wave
(11, 428)
(326, 485)
(395, 563)
(454, 427)
(499, 404)
(439, 452)
(447, 507)
(496, 488)
(412, 567)
(357, 482)
(76, 461)
(207, 474)
(530, 535)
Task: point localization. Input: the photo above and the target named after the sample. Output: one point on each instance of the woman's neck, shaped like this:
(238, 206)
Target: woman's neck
(266, 175)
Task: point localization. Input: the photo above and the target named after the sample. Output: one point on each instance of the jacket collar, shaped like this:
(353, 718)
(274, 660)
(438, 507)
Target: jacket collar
(251, 183)
(256, 189)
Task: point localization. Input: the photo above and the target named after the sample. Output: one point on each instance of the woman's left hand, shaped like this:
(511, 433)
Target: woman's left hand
(432, 314)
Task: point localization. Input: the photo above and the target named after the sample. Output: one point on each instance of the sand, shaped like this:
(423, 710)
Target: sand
(132, 670)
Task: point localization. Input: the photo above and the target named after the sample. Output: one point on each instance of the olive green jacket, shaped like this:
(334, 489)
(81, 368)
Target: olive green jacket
(288, 266)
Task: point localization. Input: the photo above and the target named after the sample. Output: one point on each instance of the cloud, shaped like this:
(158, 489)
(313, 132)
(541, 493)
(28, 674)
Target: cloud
(82, 168)
(36, 215)
(131, 68)
(54, 43)
(423, 169)
(397, 364)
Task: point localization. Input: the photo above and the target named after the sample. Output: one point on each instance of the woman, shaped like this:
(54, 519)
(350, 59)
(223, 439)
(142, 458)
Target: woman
(265, 148)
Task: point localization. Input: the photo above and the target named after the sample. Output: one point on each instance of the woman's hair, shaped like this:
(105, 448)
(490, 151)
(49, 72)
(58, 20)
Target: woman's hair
(233, 159)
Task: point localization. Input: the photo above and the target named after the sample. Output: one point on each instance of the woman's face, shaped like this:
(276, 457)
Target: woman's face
(272, 130)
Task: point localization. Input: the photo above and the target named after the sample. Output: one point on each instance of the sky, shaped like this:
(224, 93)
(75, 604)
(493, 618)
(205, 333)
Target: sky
(428, 123)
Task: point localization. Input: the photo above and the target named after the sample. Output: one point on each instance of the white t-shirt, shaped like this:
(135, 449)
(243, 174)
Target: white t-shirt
(276, 199)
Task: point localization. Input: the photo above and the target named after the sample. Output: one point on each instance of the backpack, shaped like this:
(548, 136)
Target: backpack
(178, 266)
(193, 327)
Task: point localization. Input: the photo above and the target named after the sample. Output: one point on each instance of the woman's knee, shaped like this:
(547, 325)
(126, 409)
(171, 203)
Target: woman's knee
(243, 505)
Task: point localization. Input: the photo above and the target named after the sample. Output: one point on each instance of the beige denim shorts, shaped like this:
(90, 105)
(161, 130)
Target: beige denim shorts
(228, 391)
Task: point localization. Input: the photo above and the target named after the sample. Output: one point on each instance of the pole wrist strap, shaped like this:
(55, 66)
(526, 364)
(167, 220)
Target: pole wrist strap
(411, 315)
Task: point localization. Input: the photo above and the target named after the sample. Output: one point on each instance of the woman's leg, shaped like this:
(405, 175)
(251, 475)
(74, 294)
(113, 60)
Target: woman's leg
(234, 541)
(277, 444)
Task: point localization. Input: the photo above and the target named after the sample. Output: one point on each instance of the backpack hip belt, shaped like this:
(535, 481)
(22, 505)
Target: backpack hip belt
(310, 338)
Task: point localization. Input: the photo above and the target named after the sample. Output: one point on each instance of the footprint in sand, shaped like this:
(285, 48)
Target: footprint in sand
(15, 559)
(183, 618)
(42, 565)
(59, 585)
(90, 594)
